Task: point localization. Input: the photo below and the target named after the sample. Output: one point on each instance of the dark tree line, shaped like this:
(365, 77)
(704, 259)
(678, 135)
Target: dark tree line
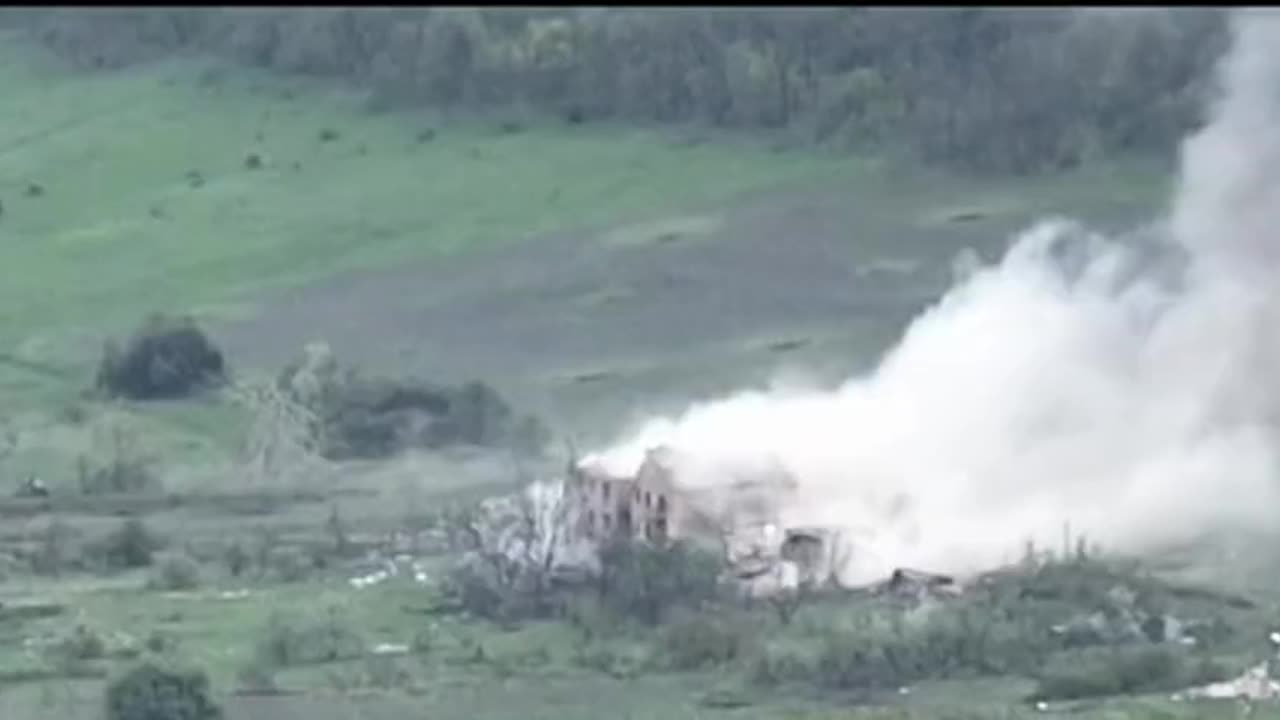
(971, 88)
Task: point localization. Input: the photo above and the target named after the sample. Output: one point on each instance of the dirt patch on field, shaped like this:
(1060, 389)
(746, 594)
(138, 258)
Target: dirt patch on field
(533, 316)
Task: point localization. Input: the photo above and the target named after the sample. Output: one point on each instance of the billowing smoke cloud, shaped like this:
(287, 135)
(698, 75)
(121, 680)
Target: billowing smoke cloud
(1076, 383)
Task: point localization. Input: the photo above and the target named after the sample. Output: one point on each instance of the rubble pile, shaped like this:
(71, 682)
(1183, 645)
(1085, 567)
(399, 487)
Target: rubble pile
(1254, 684)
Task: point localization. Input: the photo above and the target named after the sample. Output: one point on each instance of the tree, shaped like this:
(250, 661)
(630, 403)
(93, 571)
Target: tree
(516, 546)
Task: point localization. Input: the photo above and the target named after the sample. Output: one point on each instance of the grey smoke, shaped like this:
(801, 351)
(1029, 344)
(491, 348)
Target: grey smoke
(1077, 382)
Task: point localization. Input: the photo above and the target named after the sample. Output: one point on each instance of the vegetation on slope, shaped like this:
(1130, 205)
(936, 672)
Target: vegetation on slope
(973, 88)
(186, 185)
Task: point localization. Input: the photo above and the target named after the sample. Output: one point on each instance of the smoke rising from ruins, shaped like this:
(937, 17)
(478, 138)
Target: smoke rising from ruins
(1076, 382)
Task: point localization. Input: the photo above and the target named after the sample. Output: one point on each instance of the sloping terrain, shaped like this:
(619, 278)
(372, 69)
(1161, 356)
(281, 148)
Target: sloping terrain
(593, 274)
(184, 186)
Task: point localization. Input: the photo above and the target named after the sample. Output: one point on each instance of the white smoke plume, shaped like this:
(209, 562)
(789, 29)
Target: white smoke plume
(1075, 383)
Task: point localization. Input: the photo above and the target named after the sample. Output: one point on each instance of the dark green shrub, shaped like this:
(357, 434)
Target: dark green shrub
(57, 549)
(377, 418)
(1124, 670)
(360, 417)
(288, 564)
(72, 652)
(175, 571)
(130, 546)
(289, 642)
(701, 640)
(646, 582)
(891, 647)
(166, 358)
(150, 692)
(773, 665)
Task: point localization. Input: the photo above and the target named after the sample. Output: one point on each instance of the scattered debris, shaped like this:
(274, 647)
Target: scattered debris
(390, 649)
(594, 376)
(253, 161)
(916, 586)
(966, 216)
(745, 518)
(31, 610)
(34, 190)
(785, 346)
(403, 566)
(33, 487)
(1255, 684)
(328, 135)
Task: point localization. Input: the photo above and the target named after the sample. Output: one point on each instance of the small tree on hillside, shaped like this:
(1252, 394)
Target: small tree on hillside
(281, 444)
(516, 546)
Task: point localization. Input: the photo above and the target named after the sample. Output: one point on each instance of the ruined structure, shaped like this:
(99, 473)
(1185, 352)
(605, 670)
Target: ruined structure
(743, 518)
(646, 506)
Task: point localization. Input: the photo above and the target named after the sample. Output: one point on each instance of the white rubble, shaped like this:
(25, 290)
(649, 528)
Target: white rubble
(1255, 684)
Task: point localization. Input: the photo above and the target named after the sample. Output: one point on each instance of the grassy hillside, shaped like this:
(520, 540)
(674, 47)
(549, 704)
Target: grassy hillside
(129, 192)
(189, 185)
(599, 267)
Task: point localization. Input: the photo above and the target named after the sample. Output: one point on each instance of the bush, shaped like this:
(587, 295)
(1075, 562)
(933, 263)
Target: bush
(120, 469)
(130, 546)
(289, 642)
(150, 692)
(288, 564)
(370, 419)
(1099, 672)
(358, 417)
(57, 549)
(80, 646)
(646, 582)
(636, 581)
(1013, 622)
(164, 359)
(237, 559)
(887, 81)
(121, 476)
(697, 641)
(773, 665)
(890, 647)
(175, 571)
(482, 588)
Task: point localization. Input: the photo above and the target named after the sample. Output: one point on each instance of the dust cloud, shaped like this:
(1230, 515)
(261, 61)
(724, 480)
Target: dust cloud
(1077, 383)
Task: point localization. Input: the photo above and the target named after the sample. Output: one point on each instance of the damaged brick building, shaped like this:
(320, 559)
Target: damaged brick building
(743, 517)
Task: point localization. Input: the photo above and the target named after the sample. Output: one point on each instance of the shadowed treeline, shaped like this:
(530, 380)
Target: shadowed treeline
(973, 89)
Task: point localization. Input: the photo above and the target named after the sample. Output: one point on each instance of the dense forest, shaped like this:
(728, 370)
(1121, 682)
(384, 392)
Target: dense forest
(999, 90)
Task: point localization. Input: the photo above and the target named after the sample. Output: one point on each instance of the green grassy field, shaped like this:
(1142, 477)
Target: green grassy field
(132, 191)
(120, 226)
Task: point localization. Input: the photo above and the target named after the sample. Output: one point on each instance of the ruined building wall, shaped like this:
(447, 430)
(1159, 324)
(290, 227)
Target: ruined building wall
(600, 501)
